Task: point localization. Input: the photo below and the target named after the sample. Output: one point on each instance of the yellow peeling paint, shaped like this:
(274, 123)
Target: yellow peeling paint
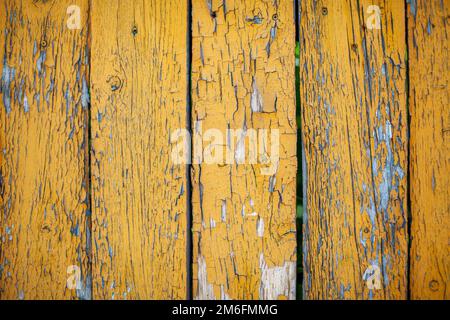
(88, 186)
(139, 86)
(43, 117)
(430, 139)
(243, 220)
(354, 118)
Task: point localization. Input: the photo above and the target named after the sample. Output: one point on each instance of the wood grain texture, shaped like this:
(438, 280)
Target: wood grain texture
(354, 118)
(139, 89)
(44, 219)
(244, 218)
(428, 40)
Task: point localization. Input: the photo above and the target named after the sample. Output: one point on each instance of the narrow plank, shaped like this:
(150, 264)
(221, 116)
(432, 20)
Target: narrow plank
(428, 38)
(353, 101)
(243, 68)
(139, 89)
(44, 220)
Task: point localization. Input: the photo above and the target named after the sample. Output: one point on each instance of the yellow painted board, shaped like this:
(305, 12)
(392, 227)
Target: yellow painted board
(139, 204)
(243, 193)
(428, 33)
(354, 126)
(44, 219)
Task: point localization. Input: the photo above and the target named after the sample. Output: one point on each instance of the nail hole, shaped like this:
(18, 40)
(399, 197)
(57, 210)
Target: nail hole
(275, 17)
(324, 11)
(354, 47)
(43, 43)
(213, 14)
(134, 31)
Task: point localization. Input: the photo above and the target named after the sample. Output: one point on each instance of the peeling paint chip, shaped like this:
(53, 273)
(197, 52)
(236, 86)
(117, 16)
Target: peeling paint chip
(256, 99)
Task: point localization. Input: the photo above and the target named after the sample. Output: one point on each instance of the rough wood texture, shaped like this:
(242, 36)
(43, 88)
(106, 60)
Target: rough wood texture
(139, 86)
(44, 217)
(428, 40)
(353, 101)
(244, 220)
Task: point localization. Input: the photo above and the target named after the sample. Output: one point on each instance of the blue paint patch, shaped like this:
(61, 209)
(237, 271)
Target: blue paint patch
(8, 74)
(75, 230)
(72, 131)
(110, 251)
(34, 48)
(40, 64)
(85, 98)
(26, 107)
(84, 293)
(273, 32)
(362, 240)
(68, 98)
(412, 7)
(429, 26)
(50, 90)
(385, 261)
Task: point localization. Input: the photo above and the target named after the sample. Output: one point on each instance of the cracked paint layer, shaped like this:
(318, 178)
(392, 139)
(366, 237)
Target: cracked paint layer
(428, 39)
(354, 115)
(43, 189)
(138, 97)
(243, 78)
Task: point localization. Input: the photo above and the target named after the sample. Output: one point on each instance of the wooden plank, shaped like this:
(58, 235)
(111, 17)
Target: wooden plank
(353, 100)
(243, 213)
(430, 137)
(44, 220)
(139, 89)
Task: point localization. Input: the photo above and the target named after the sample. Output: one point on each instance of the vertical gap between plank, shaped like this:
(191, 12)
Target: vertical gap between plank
(189, 235)
(89, 158)
(300, 164)
(408, 175)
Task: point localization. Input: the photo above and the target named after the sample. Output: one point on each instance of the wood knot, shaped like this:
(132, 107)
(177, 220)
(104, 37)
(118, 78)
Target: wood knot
(433, 285)
(213, 14)
(354, 47)
(115, 83)
(324, 11)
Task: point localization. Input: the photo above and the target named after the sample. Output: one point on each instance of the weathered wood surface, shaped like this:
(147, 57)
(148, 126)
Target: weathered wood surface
(428, 40)
(353, 100)
(44, 216)
(88, 181)
(139, 89)
(243, 217)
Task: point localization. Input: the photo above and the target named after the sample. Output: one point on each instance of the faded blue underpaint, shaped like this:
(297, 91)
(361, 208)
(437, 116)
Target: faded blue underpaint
(412, 7)
(26, 107)
(386, 262)
(75, 230)
(68, 99)
(8, 74)
(85, 98)
(429, 26)
(34, 48)
(40, 63)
